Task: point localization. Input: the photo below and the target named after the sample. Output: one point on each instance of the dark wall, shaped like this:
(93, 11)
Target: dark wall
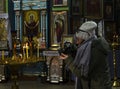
(11, 14)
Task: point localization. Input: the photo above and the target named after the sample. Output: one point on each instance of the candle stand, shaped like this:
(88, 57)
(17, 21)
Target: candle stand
(115, 45)
(15, 65)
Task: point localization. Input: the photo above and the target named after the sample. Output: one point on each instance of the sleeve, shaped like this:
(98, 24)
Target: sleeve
(74, 69)
(69, 60)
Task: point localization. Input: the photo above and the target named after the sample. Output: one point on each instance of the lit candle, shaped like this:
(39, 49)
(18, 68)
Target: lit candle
(14, 50)
(24, 51)
(30, 49)
(2, 54)
(27, 50)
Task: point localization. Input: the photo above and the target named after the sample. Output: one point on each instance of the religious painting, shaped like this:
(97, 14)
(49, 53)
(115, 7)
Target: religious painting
(55, 69)
(60, 2)
(109, 30)
(109, 10)
(3, 29)
(5, 32)
(2, 6)
(77, 7)
(67, 38)
(59, 26)
(31, 24)
(93, 9)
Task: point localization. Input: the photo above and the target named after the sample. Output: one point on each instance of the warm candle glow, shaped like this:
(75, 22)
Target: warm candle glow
(3, 55)
(27, 47)
(14, 50)
(24, 51)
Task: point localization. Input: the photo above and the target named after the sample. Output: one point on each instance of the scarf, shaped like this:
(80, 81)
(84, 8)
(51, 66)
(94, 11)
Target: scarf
(83, 56)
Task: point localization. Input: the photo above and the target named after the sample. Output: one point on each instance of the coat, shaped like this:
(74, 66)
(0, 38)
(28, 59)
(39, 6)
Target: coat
(99, 71)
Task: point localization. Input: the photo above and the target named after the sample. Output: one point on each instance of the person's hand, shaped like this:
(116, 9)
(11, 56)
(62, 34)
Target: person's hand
(63, 56)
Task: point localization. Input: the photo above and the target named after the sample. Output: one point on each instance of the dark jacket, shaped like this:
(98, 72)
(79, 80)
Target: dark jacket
(99, 74)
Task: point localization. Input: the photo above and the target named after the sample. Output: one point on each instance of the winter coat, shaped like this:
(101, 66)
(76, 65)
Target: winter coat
(99, 72)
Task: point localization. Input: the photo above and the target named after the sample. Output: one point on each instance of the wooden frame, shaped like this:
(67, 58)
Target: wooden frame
(109, 10)
(59, 26)
(60, 2)
(93, 9)
(67, 38)
(109, 30)
(77, 7)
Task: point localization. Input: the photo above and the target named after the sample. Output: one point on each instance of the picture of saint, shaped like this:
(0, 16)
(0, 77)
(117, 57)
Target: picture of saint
(31, 26)
(59, 29)
(59, 26)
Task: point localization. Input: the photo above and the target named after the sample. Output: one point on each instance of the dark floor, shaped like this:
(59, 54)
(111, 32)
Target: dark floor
(36, 84)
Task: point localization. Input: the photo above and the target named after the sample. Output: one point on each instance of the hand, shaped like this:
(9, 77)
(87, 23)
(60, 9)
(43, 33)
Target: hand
(63, 56)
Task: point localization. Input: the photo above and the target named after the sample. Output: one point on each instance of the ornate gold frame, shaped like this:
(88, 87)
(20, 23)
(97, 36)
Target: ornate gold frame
(66, 38)
(26, 19)
(61, 18)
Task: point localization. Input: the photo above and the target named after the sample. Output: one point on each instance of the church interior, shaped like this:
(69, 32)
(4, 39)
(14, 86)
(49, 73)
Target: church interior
(32, 32)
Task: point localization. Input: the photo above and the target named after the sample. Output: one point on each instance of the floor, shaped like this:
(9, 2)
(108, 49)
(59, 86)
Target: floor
(36, 84)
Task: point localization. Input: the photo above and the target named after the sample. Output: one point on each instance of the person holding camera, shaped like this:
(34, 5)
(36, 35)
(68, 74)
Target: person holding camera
(90, 64)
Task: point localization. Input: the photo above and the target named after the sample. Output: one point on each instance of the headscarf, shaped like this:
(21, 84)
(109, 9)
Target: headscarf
(86, 30)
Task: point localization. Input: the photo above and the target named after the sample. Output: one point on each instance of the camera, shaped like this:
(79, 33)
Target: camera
(68, 48)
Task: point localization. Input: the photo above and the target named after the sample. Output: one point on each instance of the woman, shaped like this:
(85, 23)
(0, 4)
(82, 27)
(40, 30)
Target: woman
(90, 64)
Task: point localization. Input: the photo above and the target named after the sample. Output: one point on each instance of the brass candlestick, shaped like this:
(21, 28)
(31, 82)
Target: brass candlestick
(14, 51)
(115, 44)
(27, 48)
(31, 50)
(24, 57)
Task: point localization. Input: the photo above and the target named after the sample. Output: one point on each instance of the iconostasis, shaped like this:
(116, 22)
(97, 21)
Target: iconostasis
(45, 24)
(59, 26)
(31, 21)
